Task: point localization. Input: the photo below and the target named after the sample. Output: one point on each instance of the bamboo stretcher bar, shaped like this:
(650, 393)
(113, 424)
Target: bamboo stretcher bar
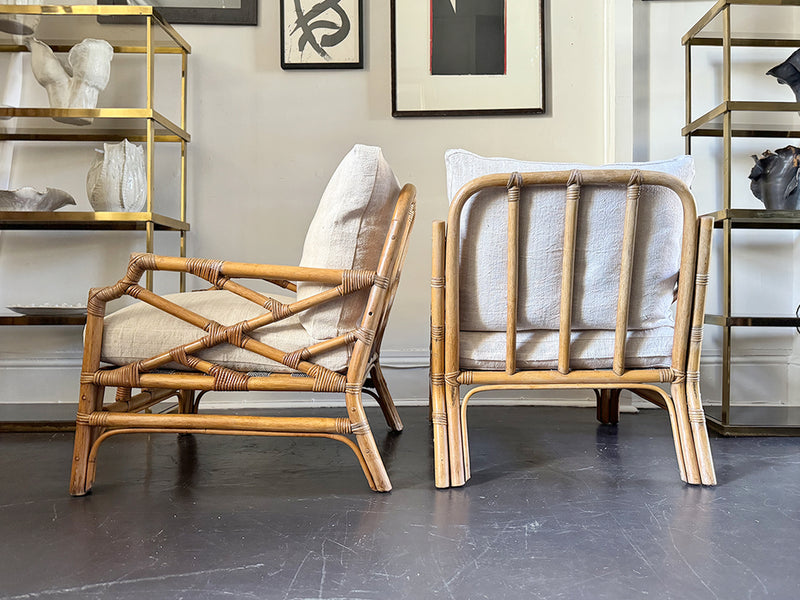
(191, 381)
(568, 269)
(338, 425)
(141, 401)
(573, 377)
(626, 271)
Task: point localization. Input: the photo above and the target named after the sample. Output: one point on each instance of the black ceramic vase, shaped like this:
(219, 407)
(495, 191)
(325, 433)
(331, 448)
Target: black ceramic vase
(788, 73)
(774, 178)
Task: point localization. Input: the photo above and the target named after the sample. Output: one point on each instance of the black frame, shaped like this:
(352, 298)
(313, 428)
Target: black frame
(247, 14)
(466, 112)
(325, 65)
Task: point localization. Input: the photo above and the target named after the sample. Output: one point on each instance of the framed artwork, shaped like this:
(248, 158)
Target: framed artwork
(321, 34)
(200, 12)
(467, 57)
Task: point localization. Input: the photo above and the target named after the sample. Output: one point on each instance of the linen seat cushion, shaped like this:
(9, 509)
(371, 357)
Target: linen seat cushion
(141, 331)
(597, 256)
(348, 232)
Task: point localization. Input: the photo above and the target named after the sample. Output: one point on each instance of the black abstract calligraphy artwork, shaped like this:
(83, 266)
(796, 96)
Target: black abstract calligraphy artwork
(324, 25)
(468, 37)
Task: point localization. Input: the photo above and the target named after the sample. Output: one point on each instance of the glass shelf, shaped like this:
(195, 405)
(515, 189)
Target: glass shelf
(754, 420)
(747, 218)
(752, 321)
(85, 220)
(749, 119)
(108, 124)
(121, 26)
(708, 31)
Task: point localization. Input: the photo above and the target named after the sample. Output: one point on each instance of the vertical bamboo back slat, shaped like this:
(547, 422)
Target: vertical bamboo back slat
(512, 288)
(568, 268)
(626, 270)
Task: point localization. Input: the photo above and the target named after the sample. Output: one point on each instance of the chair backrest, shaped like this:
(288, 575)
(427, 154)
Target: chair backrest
(348, 232)
(575, 249)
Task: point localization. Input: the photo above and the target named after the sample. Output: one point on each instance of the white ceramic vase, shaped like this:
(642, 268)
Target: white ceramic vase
(77, 82)
(20, 24)
(117, 178)
(28, 198)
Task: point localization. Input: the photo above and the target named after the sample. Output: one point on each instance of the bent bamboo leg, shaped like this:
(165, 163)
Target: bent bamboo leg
(458, 471)
(697, 416)
(385, 399)
(608, 406)
(366, 442)
(679, 400)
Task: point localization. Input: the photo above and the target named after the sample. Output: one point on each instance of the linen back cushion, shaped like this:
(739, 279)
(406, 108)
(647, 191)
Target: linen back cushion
(348, 232)
(597, 254)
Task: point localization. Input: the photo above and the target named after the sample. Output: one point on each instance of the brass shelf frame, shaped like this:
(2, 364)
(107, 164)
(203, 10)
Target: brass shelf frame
(153, 36)
(719, 122)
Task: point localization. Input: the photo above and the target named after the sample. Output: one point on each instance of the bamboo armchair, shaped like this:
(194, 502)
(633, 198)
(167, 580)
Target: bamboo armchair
(452, 367)
(190, 367)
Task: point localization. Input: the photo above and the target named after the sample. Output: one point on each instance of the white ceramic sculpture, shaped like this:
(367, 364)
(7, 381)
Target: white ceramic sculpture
(28, 198)
(20, 24)
(77, 82)
(117, 179)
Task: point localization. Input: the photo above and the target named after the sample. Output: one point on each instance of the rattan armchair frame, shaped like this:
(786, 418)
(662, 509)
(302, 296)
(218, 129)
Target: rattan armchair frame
(97, 421)
(683, 403)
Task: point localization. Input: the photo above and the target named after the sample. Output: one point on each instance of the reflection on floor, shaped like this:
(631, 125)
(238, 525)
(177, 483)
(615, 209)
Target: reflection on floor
(558, 507)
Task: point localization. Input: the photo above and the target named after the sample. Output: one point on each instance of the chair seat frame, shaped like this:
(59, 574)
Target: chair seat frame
(97, 420)
(683, 403)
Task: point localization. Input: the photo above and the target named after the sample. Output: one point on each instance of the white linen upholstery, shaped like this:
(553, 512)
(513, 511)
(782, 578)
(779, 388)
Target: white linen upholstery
(589, 349)
(348, 232)
(140, 331)
(596, 283)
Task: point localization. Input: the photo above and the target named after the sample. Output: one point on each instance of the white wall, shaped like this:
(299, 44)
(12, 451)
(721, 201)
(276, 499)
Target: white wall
(264, 142)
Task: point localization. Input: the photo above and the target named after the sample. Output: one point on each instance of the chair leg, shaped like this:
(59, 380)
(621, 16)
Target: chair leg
(366, 442)
(702, 446)
(441, 458)
(679, 399)
(186, 403)
(81, 479)
(385, 399)
(608, 406)
(458, 472)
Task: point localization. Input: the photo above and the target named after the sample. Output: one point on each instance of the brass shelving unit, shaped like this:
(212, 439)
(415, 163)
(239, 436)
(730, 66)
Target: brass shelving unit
(130, 30)
(741, 119)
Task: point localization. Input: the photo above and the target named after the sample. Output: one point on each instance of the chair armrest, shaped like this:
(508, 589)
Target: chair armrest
(212, 270)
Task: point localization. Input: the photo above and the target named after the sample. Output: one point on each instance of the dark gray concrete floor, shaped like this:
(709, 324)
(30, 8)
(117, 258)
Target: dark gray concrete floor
(558, 507)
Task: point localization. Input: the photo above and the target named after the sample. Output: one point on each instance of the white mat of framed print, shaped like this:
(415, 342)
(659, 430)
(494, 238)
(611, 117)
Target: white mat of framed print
(321, 34)
(467, 57)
